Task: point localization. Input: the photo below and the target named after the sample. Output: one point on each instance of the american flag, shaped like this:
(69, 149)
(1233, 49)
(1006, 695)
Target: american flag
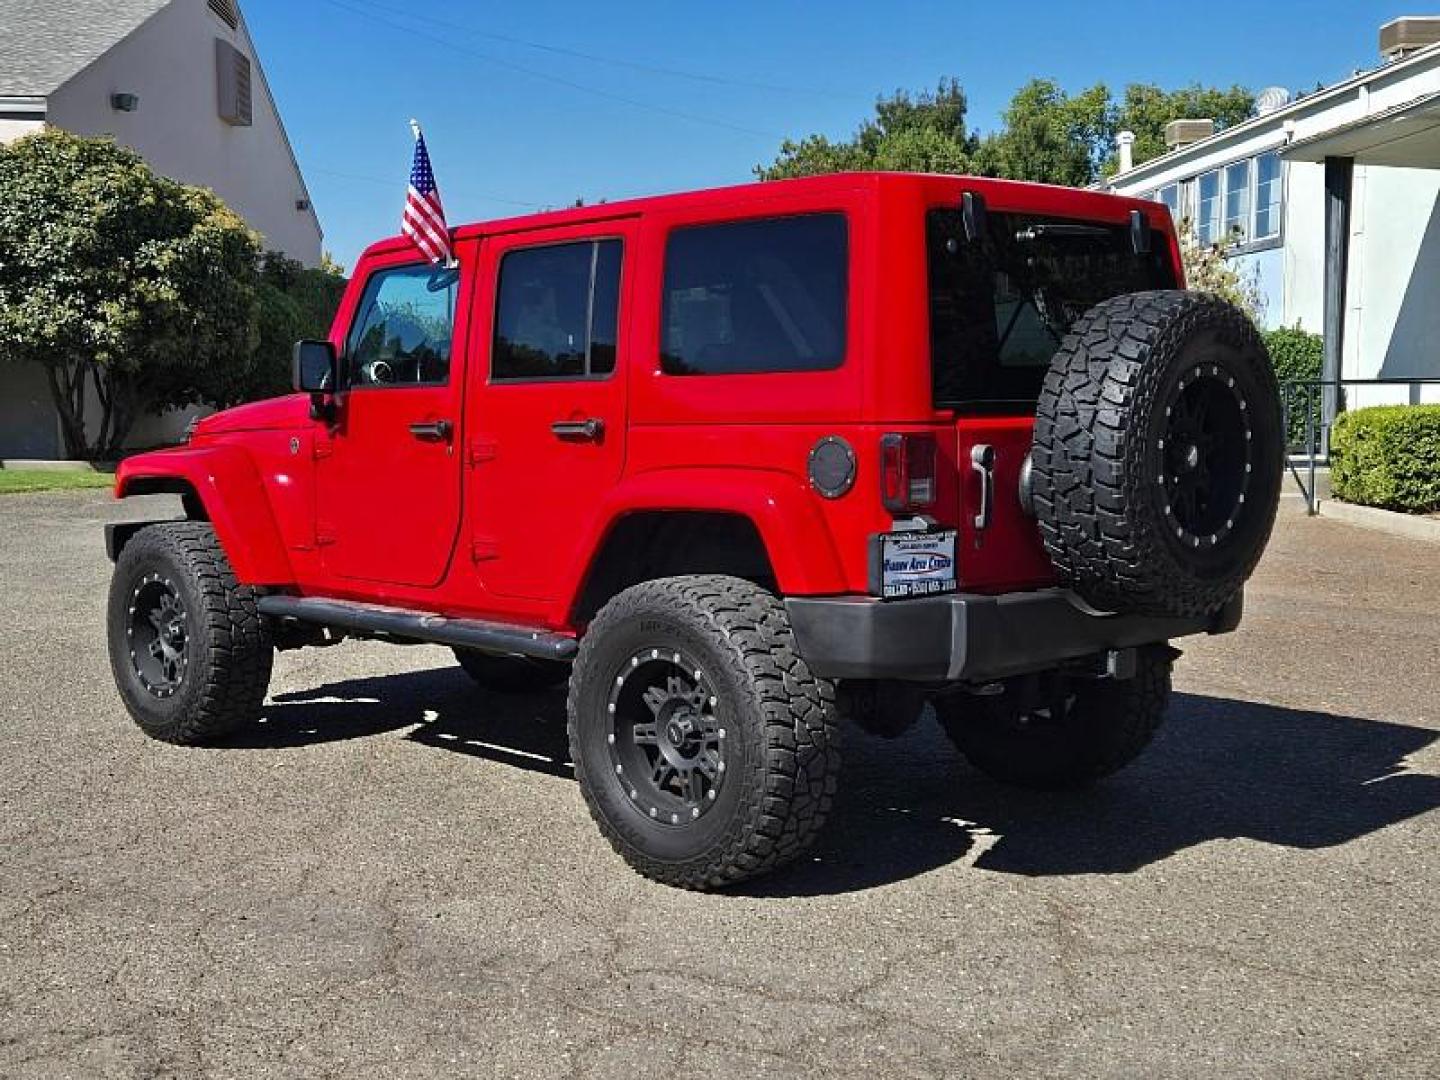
(424, 218)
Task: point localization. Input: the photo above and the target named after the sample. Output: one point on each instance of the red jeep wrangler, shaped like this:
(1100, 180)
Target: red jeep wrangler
(738, 463)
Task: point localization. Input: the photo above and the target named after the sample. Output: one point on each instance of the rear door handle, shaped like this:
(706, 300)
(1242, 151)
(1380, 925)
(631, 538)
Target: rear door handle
(586, 430)
(982, 461)
(433, 430)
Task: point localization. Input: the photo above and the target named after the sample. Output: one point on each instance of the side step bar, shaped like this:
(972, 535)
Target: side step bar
(420, 626)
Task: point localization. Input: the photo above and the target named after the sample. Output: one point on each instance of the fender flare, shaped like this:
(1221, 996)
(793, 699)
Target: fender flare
(796, 536)
(229, 486)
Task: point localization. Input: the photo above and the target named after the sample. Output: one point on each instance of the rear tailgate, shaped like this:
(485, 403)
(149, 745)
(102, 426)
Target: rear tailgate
(1003, 552)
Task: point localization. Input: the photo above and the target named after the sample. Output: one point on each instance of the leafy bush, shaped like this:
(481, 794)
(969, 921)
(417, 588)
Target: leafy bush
(294, 302)
(1388, 456)
(1297, 356)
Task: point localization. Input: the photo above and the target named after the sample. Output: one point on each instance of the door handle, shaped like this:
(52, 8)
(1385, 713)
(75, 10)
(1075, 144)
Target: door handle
(433, 430)
(581, 430)
(982, 461)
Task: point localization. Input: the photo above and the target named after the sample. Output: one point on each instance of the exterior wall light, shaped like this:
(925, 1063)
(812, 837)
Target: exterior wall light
(124, 102)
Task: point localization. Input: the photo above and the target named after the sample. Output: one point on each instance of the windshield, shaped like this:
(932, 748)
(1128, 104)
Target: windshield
(1000, 307)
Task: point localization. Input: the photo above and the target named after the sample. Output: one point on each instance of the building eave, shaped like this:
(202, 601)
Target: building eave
(23, 108)
(1257, 124)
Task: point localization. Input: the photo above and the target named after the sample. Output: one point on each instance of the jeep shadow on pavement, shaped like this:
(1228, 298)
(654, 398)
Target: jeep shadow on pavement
(1221, 770)
(737, 465)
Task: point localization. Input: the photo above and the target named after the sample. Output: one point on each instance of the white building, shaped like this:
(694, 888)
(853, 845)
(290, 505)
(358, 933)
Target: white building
(179, 81)
(1333, 199)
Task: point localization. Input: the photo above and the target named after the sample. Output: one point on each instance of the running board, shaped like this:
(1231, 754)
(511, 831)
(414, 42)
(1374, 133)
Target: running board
(421, 626)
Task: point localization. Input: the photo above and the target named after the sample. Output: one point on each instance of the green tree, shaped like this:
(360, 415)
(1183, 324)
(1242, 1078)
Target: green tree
(294, 302)
(924, 132)
(1046, 135)
(1049, 136)
(114, 278)
(1146, 110)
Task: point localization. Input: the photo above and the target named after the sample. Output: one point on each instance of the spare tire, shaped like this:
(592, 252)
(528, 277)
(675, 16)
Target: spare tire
(1158, 452)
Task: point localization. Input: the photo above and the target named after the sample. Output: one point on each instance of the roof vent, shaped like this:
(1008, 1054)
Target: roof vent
(228, 12)
(232, 79)
(1180, 133)
(1401, 37)
(1271, 99)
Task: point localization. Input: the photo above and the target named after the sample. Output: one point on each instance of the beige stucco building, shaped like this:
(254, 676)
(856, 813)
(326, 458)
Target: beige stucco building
(180, 82)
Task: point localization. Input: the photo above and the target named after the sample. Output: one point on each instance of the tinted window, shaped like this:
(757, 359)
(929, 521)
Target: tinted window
(558, 311)
(755, 296)
(1000, 307)
(401, 336)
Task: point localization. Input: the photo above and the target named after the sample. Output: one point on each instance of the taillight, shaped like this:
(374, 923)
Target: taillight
(907, 472)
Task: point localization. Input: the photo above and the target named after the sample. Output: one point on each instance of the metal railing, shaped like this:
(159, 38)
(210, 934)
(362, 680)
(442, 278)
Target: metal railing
(1311, 406)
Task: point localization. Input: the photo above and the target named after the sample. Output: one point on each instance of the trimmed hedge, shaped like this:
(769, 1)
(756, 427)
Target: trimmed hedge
(1388, 456)
(1297, 356)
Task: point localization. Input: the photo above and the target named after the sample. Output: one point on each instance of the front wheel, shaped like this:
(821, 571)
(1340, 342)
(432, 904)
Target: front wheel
(190, 653)
(1054, 731)
(704, 746)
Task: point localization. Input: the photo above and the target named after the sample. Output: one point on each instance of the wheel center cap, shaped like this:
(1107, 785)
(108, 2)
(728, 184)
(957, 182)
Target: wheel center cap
(678, 731)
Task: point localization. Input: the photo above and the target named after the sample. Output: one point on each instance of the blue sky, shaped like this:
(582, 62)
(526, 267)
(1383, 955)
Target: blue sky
(536, 104)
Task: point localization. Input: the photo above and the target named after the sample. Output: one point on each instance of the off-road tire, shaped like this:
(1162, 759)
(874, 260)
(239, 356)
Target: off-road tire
(228, 651)
(1107, 725)
(1100, 465)
(779, 719)
(512, 674)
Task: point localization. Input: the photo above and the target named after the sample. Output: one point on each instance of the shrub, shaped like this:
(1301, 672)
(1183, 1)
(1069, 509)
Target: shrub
(1297, 356)
(1388, 456)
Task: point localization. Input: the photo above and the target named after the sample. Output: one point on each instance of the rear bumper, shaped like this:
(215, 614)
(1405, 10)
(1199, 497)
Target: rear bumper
(970, 636)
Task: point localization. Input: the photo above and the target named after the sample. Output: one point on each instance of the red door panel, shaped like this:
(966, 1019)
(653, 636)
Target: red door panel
(388, 470)
(547, 419)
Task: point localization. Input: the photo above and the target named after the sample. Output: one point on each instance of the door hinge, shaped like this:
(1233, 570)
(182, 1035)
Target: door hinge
(321, 448)
(324, 535)
(480, 451)
(483, 549)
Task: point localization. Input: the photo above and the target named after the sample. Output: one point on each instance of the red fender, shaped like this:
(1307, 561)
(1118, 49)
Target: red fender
(795, 535)
(229, 486)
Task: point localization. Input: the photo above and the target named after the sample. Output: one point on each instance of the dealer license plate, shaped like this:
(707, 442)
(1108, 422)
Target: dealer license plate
(917, 563)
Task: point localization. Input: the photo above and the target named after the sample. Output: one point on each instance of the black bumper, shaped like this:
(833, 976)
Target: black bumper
(969, 636)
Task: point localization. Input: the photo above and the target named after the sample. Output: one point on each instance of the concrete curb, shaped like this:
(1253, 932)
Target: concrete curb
(47, 465)
(1367, 517)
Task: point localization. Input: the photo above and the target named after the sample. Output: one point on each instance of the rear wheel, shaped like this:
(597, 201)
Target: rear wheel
(512, 674)
(705, 748)
(1054, 731)
(190, 653)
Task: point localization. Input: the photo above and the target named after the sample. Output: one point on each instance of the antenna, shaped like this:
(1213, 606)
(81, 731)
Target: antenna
(1271, 99)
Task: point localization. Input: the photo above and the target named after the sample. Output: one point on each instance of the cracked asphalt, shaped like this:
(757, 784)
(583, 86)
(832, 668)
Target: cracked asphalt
(393, 874)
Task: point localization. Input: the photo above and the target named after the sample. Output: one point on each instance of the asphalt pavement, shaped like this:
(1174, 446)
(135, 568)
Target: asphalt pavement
(394, 875)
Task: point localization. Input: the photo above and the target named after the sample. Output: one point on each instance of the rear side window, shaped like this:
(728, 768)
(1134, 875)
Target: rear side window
(558, 311)
(755, 296)
(999, 307)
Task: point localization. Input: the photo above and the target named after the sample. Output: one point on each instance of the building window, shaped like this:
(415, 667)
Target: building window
(1170, 196)
(1267, 196)
(1207, 224)
(1237, 203)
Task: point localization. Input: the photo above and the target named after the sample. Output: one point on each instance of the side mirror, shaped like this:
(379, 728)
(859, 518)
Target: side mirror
(315, 367)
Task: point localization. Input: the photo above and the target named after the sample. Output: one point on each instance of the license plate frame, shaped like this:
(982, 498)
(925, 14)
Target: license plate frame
(916, 563)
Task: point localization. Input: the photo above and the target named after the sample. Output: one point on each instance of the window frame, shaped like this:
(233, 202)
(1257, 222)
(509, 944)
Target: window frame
(357, 320)
(1252, 242)
(594, 243)
(847, 282)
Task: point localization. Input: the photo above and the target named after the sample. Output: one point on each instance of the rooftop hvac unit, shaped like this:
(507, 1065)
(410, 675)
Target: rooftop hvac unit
(1180, 133)
(232, 72)
(1401, 37)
